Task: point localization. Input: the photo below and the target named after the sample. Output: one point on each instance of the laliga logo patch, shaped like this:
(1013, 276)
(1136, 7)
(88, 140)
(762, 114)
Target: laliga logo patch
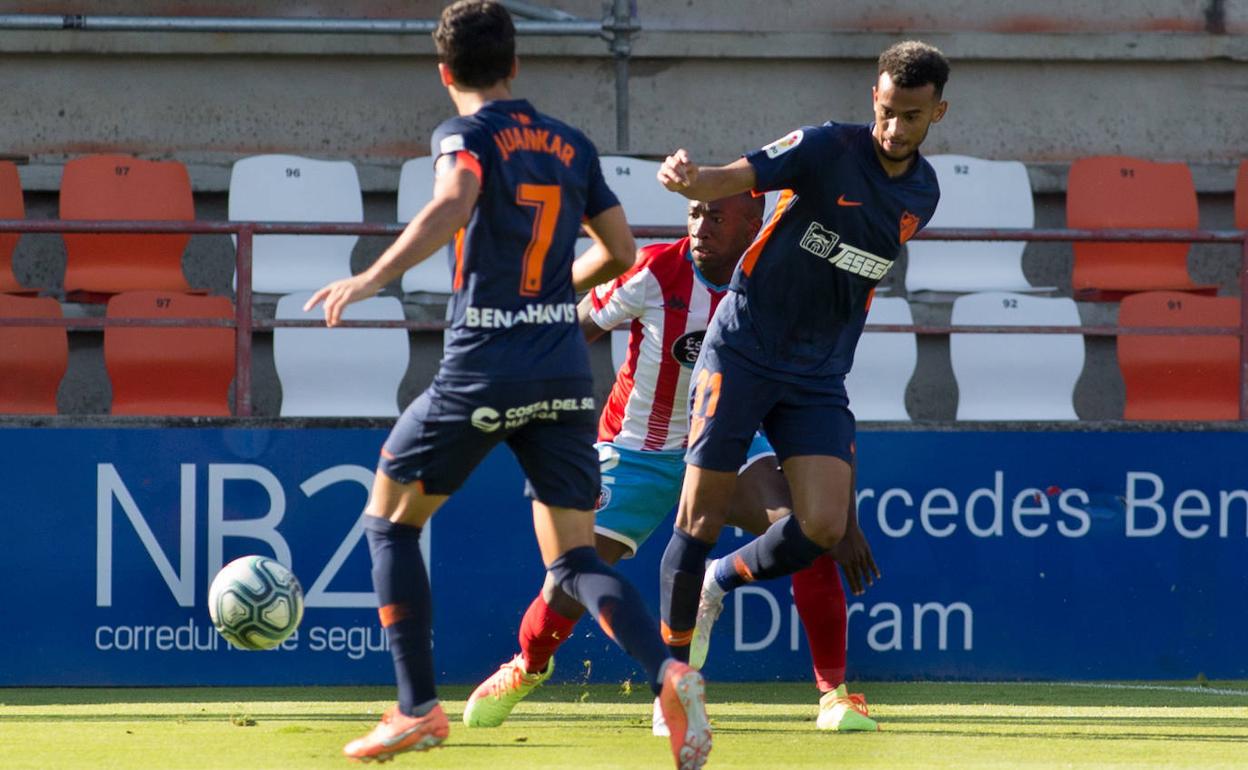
(784, 144)
(486, 419)
(685, 350)
(604, 498)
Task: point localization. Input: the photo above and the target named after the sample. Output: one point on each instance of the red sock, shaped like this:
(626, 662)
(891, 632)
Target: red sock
(820, 600)
(541, 633)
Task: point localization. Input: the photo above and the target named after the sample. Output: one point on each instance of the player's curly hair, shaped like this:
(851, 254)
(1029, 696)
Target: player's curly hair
(913, 64)
(476, 39)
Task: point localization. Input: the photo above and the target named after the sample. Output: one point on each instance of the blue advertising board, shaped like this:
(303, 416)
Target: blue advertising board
(1005, 555)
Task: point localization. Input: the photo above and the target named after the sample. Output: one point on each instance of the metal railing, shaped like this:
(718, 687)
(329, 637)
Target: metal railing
(245, 232)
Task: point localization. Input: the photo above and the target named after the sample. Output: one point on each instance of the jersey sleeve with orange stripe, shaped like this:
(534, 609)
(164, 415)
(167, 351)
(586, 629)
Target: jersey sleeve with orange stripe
(456, 139)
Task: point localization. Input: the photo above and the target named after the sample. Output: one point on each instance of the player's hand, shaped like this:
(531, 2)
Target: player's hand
(854, 555)
(337, 295)
(678, 173)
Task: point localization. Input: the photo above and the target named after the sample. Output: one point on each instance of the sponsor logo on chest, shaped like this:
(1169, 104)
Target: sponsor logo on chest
(540, 315)
(825, 244)
(685, 349)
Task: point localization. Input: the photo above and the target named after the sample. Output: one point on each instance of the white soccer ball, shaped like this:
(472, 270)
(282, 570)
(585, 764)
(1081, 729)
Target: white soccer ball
(255, 603)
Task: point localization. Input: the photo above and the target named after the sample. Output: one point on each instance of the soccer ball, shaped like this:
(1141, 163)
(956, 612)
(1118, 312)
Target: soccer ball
(255, 603)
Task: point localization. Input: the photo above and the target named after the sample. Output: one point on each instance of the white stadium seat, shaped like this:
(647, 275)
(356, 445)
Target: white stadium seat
(974, 193)
(289, 188)
(635, 182)
(433, 276)
(340, 372)
(883, 364)
(1016, 376)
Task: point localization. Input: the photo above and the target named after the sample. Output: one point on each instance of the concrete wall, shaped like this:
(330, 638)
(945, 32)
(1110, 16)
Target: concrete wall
(1163, 79)
(1144, 78)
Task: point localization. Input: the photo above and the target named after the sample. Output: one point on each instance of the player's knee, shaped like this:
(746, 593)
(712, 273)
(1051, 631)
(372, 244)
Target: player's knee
(705, 527)
(563, 571)
(703, 518)
(559, 601)
(825, 531)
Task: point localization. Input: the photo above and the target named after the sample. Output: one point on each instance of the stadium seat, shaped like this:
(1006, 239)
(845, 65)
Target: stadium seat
(1015, 376)
(1114, 191)
(33, 359)
(634, 181)
(1179, 377)
(883, 364)
(169, 370)
(433, 276)
(1241, 197)
(289, 188)
(340, 372)
(11, 207)
(643, 203)
(974, 193)
(120, 187)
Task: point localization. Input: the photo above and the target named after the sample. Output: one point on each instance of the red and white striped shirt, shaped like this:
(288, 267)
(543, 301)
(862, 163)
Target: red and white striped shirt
(668, 305)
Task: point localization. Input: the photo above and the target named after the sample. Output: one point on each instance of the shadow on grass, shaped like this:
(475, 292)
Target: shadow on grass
(85, 696)
(720, 694)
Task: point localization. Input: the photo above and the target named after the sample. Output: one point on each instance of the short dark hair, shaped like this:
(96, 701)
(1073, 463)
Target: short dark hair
(754, 205)
(914, 64)
(477, 41)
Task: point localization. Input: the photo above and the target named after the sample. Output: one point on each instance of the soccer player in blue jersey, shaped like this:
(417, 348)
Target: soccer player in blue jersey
(781, 342)
(513, 188)
(666, 300)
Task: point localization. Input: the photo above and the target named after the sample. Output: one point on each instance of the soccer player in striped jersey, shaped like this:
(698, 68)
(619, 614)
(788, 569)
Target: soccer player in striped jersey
(513, 187)
(666, 301)
(782, 340)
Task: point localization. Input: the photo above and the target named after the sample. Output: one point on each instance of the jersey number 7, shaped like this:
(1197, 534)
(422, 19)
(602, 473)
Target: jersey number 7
(545, 198)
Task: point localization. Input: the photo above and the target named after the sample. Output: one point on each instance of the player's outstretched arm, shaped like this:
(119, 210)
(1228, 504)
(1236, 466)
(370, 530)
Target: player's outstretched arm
(681, 175)
(612, 254)
(454, 196)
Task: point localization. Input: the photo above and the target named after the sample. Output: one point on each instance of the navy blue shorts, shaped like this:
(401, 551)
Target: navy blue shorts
(550, 426)
(729, 399)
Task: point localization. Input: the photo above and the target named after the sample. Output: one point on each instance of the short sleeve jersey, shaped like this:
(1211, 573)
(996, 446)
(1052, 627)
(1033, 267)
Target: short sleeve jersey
(802, 289)
(513, 311)
(667, 304)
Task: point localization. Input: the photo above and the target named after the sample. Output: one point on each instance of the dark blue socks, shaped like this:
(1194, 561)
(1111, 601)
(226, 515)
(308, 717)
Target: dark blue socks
(680, 585)
(405, 605)
(782, 550)
(615, 604)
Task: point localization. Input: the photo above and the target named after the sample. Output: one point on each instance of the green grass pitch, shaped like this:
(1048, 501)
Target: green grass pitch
(599, 726)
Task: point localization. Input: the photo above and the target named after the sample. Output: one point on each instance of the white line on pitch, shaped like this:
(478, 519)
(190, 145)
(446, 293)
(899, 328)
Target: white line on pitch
(1113, 686)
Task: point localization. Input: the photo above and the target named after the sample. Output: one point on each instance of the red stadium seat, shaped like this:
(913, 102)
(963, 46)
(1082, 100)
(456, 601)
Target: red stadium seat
(1114, 191)
(11, 207)
(169, 370)
(33, 359)
(1179, 377)
(1241, 197)
(119, 187)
